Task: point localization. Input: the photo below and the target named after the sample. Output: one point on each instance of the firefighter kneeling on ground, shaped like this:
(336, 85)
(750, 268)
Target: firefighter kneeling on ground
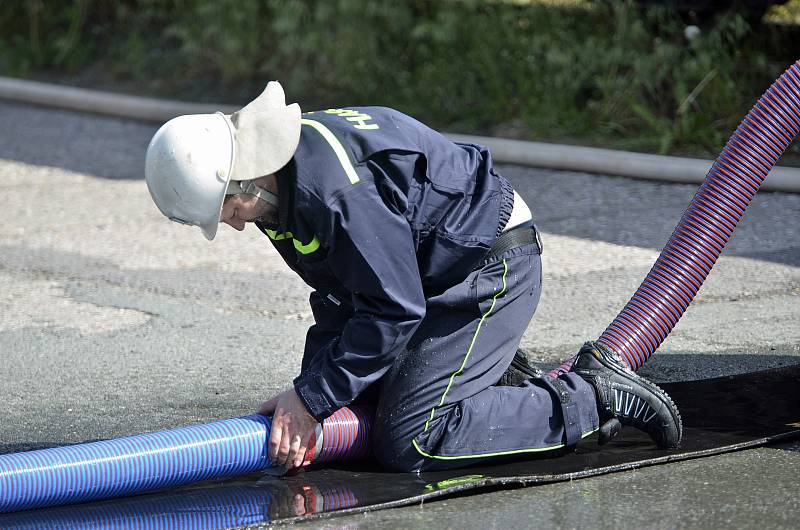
(425, 267)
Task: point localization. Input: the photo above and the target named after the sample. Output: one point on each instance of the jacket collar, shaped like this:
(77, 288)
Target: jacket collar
(285, 178)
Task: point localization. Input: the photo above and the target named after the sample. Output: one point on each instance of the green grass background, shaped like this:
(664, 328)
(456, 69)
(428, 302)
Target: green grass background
(601, 73)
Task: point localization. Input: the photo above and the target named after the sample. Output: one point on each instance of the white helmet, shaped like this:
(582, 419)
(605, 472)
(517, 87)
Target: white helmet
(193, 161)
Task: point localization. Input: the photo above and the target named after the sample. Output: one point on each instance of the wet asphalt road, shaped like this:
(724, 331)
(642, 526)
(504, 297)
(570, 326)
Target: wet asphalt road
(114, 321)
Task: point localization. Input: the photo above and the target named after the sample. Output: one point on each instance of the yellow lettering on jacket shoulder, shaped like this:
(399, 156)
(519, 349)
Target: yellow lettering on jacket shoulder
(359, 119)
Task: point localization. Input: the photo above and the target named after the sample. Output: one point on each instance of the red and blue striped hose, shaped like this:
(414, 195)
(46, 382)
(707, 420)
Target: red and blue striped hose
(205, 509)
(211, 508)
(135, 464)
(707, 224)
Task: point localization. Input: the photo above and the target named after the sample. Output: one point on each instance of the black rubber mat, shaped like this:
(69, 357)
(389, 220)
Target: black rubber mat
(720, 415)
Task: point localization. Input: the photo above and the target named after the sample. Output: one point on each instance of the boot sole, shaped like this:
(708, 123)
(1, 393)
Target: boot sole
(630, 375)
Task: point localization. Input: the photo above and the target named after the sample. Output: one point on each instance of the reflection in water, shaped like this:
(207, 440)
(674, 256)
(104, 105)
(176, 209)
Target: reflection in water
(207, 508)
(452, 482)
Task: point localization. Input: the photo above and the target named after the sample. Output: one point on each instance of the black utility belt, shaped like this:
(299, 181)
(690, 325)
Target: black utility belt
(514, 238)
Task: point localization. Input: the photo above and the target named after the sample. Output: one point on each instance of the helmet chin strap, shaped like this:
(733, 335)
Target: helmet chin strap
(249, 187)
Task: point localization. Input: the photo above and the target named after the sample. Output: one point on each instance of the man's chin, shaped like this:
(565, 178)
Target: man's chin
(266, 224)
(265, 220)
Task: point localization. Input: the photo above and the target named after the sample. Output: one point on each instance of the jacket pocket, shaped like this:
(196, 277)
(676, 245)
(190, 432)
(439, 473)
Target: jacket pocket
(490, 285)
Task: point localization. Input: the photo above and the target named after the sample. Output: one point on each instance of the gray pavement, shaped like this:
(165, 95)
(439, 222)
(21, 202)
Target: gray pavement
(114, 321)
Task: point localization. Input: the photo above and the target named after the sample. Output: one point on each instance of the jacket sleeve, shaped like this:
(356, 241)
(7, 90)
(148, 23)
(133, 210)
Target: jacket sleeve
(371, 252)
(329, 321)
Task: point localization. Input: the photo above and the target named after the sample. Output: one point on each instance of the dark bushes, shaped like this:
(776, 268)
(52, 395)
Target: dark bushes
(602, 73)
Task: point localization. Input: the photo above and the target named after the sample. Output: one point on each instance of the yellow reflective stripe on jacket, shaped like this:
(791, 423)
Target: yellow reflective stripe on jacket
(308, 248)
(337, 147)
(279, 237)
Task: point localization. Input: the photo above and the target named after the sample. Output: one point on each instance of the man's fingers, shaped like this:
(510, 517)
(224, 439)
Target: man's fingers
(292, 430)
(299, 505)
(301, 454)
(283, 449)
(275, 440)
(294, 447)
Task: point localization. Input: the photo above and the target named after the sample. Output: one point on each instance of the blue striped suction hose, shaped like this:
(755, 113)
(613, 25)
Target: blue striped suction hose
(206, 508)
(135, 464)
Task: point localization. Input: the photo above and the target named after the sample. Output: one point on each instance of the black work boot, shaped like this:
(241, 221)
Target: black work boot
(520, 370)
(626, 398)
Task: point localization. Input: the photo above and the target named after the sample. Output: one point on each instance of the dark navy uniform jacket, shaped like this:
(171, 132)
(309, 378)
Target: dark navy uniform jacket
(378, 212)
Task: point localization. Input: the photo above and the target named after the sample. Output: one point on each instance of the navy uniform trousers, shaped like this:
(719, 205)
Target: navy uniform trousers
(439, 406)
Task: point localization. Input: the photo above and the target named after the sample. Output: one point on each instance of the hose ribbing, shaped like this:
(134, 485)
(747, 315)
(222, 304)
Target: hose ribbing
(211, 508)
(707, 225)
(125, 466)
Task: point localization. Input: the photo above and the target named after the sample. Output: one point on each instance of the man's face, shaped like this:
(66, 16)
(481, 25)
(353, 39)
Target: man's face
(237, 210)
